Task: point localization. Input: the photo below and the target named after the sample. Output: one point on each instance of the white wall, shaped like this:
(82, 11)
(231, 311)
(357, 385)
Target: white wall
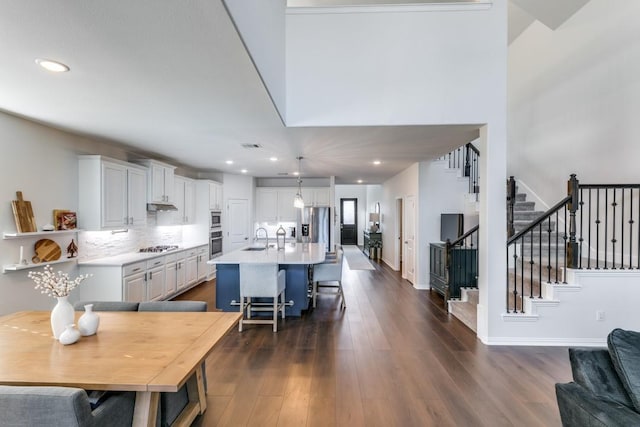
(394, 66)
(262, 25)
(442, 190)
(404, 184)
(42, 163)
(573, 100)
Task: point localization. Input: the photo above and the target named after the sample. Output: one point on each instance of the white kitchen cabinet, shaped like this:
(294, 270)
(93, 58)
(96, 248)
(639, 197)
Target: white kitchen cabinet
(181, 276)
(136, 200)
(134, 282)
(322, 197)
(191, 267)
(286, 211)
(215, 196)
(266, 205)
(184, 200)
(171, 275)
(156, 279)
(203, 268)
(316, 196)
(111, 194)
(160, 186)
(275, 205)
(135, 288)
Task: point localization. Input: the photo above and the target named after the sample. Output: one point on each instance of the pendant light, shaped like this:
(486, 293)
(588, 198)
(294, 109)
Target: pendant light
(298, 201)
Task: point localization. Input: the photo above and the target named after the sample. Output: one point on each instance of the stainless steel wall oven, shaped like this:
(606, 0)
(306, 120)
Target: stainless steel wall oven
(215, 242)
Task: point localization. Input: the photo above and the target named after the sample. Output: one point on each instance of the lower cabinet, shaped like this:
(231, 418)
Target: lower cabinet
(171, 275)
(155, 279)
(191, 264)
(203, 267)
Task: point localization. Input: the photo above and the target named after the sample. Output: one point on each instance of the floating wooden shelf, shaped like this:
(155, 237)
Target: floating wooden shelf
(18, 267)
(16, 235)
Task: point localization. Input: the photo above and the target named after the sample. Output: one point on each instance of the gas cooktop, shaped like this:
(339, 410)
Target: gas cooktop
(160, 248)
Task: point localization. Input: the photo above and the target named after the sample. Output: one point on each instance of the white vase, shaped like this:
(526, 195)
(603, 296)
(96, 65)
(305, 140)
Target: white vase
(69, 335)
(88, 322)
(61, 316)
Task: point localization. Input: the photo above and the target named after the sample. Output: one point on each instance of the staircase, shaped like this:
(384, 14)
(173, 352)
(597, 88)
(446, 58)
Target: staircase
(530, 279)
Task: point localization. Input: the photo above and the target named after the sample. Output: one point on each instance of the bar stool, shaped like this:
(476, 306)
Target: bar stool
(329, 271)
(261, 281)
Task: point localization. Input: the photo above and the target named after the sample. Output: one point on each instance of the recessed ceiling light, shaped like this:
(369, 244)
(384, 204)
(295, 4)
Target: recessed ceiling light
(244, 171)
(376, 162)
(53, 66)
(229, 162)
(359, 181)
(273, 159)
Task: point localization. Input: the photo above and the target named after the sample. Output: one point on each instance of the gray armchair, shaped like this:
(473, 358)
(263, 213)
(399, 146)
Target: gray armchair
(62, 407)
(606, 387)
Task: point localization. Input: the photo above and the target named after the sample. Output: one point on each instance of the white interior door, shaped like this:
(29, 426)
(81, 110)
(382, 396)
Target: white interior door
(238, 217)
(409, 229)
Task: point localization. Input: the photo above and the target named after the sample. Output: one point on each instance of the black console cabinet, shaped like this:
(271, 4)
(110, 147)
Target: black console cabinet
(462, 270)
(372, 244)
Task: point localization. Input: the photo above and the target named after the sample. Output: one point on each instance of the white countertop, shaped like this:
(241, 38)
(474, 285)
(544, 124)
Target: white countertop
(131, 257)
(294, 253)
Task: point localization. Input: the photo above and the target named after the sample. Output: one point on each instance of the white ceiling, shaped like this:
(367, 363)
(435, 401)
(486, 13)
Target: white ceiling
(173, 80)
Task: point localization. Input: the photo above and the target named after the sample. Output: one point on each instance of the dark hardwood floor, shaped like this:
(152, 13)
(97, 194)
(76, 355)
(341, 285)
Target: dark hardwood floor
(394, 357)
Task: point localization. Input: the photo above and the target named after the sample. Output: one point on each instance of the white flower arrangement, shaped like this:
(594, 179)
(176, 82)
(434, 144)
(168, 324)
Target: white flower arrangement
(55, 285)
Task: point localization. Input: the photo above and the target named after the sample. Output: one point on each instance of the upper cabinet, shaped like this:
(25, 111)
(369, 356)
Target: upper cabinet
(111, 193)
(185, 200)
(215, 196)
(160, 186)
(275, 205)
(318, 196)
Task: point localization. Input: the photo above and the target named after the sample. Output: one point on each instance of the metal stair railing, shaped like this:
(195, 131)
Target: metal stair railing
(593, 227)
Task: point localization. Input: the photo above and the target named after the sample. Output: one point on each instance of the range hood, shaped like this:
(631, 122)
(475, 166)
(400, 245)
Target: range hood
(154, 207)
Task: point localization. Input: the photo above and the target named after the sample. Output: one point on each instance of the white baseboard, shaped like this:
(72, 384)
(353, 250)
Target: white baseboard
(546, 342)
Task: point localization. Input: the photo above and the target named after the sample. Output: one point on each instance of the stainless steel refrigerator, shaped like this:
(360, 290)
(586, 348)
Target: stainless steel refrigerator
(318, 226)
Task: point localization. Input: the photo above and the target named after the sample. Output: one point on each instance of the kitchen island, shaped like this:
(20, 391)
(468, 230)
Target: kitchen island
(295, 259)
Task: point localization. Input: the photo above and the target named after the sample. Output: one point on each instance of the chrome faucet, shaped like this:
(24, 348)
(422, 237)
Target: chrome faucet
(266, 235)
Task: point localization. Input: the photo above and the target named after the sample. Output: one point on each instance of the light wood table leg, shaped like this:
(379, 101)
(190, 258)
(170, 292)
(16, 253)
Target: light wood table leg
(145, 410)
(197, 400)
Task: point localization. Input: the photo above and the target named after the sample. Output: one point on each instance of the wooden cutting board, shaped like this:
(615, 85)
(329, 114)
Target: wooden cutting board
(47, 250)
(23, 214)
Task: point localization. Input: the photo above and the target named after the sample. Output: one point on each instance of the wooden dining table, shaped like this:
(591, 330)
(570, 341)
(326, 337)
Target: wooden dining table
(145, 352)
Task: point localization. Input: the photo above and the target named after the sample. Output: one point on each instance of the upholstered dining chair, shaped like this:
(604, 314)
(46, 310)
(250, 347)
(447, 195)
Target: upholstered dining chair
(172, 404)
(329, 272)
(26, 406)
(107, 305)
(263, 280)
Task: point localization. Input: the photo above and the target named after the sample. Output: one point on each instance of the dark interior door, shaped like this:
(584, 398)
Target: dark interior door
(349, 221)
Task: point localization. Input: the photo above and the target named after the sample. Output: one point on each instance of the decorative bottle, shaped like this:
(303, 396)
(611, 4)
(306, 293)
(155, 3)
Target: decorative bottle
(89, 321)
(61, 316)
(70, 335)
(280, 238)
